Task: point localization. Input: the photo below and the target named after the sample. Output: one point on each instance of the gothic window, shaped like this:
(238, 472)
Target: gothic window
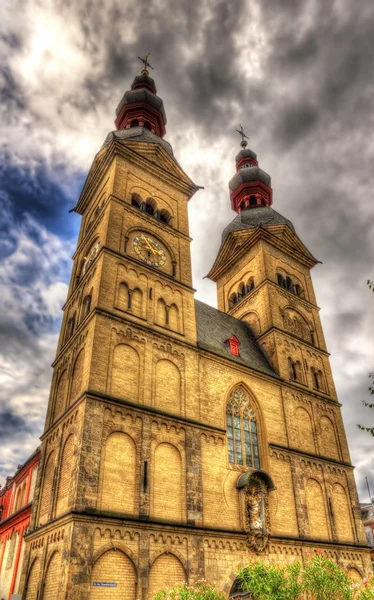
(136, 200)
(280, 279)
(242, 436)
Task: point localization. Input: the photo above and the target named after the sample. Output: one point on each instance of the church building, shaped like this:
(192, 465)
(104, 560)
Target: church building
(182, 440)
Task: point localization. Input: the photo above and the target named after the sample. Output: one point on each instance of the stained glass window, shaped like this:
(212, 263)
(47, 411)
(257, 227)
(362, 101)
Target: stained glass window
(242, 439)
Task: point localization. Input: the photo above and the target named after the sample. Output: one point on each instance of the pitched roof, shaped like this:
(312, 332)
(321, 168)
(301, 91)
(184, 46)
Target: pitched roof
(214, 327)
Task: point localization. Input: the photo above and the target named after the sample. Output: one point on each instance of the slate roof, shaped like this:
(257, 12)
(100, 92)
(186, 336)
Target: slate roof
(251, 173)
(142, 95)
(254, 217)
(214, 327)
(139, 134)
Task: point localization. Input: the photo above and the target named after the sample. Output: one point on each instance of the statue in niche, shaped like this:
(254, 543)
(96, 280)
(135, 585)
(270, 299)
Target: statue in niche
(255, 518)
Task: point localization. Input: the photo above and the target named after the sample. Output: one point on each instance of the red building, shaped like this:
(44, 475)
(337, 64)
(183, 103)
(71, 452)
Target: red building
(15, 509)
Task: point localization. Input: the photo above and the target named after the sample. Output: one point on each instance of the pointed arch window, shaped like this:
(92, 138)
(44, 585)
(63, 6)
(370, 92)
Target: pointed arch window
(242, 438)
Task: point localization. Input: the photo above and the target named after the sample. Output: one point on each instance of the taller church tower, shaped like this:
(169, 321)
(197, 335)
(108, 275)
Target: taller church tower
(181, 440)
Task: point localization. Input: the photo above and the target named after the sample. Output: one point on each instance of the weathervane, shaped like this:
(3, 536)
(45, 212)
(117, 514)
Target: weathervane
(145, 63)
(240, 131)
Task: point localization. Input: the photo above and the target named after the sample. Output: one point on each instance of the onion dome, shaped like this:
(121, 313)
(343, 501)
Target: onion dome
(251, 186)
(141, 106)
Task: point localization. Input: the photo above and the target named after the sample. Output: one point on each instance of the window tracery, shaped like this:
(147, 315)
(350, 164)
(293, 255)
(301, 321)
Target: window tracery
(242, 437)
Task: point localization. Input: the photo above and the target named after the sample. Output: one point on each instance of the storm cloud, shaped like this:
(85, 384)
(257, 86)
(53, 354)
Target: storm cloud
(297, 76)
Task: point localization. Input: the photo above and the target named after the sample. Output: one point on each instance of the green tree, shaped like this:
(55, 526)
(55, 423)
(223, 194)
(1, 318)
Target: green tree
(200, 591)
(371, 387)
(319, 579)
(266, 582)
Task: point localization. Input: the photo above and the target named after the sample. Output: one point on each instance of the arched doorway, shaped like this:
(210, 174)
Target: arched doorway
(237, 592)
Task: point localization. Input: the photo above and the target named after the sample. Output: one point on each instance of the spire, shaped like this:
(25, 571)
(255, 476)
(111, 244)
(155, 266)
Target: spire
(251, 186)
(140, 106)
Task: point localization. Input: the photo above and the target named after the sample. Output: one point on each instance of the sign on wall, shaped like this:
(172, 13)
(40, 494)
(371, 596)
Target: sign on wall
(104, 584)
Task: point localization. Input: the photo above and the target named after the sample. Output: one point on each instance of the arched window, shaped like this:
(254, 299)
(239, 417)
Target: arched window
(147, 125)
(164, 216)
(250, 285)
(252, 201)
(70, 328)
(241, 290)
(298, 290)
(86, 305)
(136, 200)
(233, 300)
(135, 123)
(242, 436)
(90, 257)
(242, 205)
(280, 279)
(150, 207)
(317, 378)
(295, 373)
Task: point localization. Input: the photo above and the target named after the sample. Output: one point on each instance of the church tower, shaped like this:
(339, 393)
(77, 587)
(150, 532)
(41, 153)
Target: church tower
(180, 440)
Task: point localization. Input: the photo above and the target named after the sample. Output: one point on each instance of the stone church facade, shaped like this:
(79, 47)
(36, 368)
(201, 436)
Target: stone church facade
(182, 440)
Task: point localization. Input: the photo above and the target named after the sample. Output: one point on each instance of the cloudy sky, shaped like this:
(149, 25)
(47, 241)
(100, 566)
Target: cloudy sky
(297, 75)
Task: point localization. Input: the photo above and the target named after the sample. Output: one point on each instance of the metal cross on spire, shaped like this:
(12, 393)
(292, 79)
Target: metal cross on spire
(241, 132)
(145, 61)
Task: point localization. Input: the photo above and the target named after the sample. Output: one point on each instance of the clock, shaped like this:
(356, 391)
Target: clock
(149, 250)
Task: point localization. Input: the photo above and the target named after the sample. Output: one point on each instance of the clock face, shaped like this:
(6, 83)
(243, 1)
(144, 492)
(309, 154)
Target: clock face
(149, 250)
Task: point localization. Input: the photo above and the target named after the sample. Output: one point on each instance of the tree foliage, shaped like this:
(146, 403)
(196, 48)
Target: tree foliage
(200, 591)
(319, 579)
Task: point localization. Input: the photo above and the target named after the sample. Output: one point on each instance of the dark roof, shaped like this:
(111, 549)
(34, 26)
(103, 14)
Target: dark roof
(255, 217)
(246, 153)
(142, 95)
(214, 327)
(138, 134)
(251, 173)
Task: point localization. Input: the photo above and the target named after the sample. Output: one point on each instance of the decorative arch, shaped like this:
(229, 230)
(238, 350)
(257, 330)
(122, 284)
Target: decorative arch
(328, 439)
(316, 510)
(65, 475)
(77, 376)
(295, 322)
(136, 200)
(168, 387)
(304, 430)
(342, 513)
(52, 580)
(46, 495)
(61, 395)
(241, 427)
(168, 485)
(118, 473)
(165, 563)
(253, 321)
(32, 582)
(173, 317)
(161, 313)
(116, 566)
(115, 545)
(355, 573)
(125, 372)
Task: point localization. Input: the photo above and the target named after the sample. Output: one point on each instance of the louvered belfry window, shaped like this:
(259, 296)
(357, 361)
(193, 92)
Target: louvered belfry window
(242, 436)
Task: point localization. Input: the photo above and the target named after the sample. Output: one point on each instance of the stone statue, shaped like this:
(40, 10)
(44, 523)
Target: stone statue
(254, 500)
